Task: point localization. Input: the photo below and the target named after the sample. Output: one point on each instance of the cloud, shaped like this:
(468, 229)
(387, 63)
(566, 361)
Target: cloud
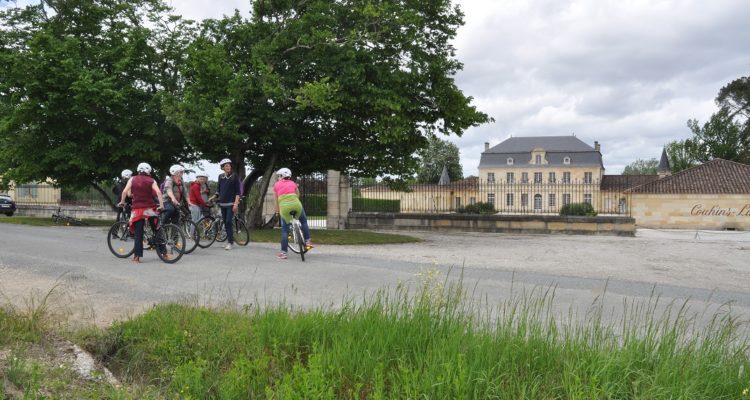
(627, 74)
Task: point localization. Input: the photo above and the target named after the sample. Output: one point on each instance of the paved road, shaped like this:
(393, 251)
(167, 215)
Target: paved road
(713, 272)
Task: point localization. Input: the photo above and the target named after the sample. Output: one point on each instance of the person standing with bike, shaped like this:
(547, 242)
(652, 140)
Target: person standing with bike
(197, 199)
(229, 191)
(287, 200)
(123, 212)
(175, 193)
(143, 189)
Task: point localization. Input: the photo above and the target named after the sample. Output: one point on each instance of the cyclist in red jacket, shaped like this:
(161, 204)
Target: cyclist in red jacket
(142, 188)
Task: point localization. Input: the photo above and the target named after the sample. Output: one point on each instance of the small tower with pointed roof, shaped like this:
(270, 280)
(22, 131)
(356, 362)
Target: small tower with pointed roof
(664, 169)
(444, 178)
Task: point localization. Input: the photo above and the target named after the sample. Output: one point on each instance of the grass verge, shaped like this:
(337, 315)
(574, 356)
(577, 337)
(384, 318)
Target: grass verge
(429, 344)
(423, 342)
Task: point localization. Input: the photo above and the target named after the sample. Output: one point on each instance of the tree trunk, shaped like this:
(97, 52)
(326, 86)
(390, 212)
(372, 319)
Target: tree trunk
(106, 197)
(256, 210)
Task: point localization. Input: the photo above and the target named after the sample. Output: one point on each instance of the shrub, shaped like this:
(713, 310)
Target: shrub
(582, 209)
(362, 204)
(477, 208)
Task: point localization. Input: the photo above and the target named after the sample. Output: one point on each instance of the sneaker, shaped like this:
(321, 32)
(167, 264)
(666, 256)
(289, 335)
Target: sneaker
(228, 246)
(281, 256)
(308, 245)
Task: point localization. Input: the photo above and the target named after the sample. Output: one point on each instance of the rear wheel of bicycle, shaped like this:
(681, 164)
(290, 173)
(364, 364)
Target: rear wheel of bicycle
(300, 239)
(293, 245)
(119, 240)
(190, 229)
(206, 235)
(241, 233)
(170, 240)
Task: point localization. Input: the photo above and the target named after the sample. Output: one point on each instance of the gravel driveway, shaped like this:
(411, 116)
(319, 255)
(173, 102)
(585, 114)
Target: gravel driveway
(710, 268)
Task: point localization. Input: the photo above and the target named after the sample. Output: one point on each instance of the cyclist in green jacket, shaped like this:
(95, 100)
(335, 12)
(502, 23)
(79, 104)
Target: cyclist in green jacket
(287, 199)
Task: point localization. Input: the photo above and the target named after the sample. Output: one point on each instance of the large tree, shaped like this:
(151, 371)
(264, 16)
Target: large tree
(439, 153)
(681, 154)
(356, 85)
(81, 90)
(641, 167)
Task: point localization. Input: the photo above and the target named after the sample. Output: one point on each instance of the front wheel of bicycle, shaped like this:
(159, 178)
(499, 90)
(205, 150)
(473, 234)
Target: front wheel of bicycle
(206, 234)
(119, 240)
(241, 232)
(170, 243)
(190, 229)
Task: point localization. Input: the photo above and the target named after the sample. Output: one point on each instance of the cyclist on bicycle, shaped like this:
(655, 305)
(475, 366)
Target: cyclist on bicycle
(142, 189)
(287, 200)
(175, 193)
(124, 211)
(229, 191)
(198, 197)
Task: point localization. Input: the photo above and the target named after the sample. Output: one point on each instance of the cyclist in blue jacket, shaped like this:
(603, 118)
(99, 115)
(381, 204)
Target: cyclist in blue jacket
(229, 191)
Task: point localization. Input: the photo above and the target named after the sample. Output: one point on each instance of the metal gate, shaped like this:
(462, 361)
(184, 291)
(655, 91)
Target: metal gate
(313, 191)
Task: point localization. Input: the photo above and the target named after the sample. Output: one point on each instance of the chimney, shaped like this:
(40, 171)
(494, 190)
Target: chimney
(486, 146)
(597, 147)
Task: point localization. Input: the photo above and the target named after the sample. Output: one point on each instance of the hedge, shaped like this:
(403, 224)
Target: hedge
(580, 209)
(362, 204)
(477, 208)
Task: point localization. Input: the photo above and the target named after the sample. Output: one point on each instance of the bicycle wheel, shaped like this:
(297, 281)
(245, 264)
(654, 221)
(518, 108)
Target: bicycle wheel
(219, 231)
(300, 239)
(293, 245)
(171, 240)
(206, 235)
(241, 233)
(119, 240)
(190, 229)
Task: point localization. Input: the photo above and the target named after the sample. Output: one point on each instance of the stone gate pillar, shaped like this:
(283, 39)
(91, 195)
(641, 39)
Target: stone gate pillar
(339, 200)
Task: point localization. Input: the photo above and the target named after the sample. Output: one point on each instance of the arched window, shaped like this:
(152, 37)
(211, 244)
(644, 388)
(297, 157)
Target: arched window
(566, 160)
(510, 160)
(537, 201)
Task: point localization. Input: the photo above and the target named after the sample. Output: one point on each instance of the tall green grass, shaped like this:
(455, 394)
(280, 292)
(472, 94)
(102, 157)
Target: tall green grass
(430, 342)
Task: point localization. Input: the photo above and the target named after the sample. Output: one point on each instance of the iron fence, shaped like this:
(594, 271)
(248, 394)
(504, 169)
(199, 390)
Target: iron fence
(503, 197)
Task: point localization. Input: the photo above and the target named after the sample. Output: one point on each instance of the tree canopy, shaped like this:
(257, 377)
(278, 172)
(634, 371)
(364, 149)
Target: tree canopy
(641, 167)
(80, 97)
(439, 153)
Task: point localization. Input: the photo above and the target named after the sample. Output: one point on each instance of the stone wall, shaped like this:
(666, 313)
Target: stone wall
(691, 211)
(607, 225)
(73, 211)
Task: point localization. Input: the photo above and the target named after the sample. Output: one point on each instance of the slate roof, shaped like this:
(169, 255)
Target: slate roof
(624, 182)
(714, 177)
(664, 166)
(556, 148)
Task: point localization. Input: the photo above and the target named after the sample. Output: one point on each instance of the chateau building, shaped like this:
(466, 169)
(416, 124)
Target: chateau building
(541, 173)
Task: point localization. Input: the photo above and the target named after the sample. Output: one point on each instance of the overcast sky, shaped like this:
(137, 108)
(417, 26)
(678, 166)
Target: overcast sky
(627, 73)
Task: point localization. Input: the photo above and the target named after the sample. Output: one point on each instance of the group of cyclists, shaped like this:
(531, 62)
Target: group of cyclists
(141, 199)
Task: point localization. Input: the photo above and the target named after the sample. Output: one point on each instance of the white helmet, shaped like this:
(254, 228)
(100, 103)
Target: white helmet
(144, 167)
(200, 173)
(126, 174)
(224, 161)
(284, 173)
(176, 169)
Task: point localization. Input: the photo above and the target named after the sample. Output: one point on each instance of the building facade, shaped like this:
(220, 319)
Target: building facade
(541, 174)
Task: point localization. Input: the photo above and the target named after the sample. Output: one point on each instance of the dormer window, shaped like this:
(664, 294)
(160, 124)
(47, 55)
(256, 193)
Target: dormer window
(510, 160)
(566, 160)
(538, 159)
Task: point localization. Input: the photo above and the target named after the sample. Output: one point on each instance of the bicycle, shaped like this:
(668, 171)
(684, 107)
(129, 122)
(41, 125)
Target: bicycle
(167, 236)
(211, 229)
(125, 214)
(296, 238)
(59, 217)
(189, 228)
